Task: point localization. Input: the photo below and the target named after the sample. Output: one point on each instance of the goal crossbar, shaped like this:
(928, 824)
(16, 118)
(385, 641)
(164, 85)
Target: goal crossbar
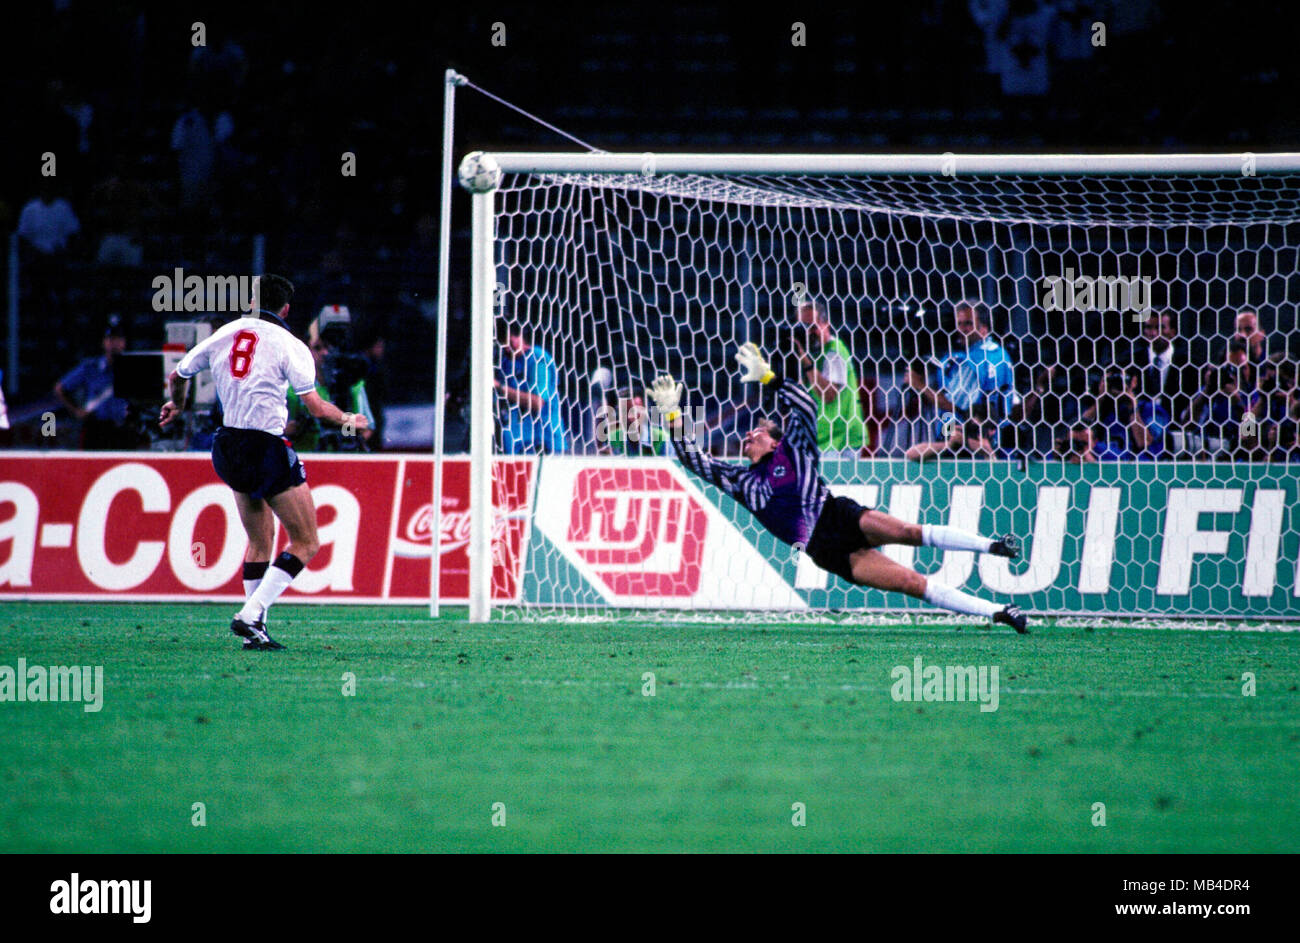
(946, 164)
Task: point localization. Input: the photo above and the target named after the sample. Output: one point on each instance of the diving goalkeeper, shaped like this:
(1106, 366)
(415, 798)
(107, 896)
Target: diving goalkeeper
(784, 489)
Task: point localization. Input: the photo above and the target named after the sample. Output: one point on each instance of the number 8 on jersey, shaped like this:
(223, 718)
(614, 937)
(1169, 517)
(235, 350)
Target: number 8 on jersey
(241, 354)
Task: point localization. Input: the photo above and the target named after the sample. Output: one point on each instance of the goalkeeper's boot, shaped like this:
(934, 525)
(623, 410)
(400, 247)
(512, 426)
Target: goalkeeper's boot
(1008, 546)
(1012, 616)
(255, 635)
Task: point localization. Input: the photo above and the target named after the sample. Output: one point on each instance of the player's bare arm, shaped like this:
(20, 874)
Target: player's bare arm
(177, 390)
(328, 412)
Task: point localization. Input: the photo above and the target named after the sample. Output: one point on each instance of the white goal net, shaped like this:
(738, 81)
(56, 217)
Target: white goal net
(1098, 357)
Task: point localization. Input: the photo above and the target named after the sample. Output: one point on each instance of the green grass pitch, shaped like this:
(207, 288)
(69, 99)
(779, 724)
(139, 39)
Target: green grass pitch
(448, 719)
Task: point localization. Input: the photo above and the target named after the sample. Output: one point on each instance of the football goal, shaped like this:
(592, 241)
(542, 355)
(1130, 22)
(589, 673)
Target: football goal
(1092, 353)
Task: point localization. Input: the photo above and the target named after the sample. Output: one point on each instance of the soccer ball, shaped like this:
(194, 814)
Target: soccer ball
(479, 172)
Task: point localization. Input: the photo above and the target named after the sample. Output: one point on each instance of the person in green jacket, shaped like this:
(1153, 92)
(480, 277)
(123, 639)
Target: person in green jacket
(303, 429)
(333, 385)
(831, 377)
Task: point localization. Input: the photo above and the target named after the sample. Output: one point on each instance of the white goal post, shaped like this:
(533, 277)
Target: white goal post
(876, 233)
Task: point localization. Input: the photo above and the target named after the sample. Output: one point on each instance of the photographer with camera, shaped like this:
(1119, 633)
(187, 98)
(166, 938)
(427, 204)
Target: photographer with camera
(340, 379)
(974, 437)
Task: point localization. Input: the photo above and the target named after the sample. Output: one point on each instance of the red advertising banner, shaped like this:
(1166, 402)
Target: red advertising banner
(162, 526)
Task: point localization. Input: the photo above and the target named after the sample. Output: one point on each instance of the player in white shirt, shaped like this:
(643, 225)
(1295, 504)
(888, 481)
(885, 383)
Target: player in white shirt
(254, 361)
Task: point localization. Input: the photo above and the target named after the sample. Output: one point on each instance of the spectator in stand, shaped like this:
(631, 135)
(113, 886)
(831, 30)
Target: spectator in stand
(1060, 381)
(1153, 354)
(47, 223)
(1239, 360)
(1269, 403)
(826, 364)
(46, 227)
(1257, 442)
(1128, 425)
(1077, 446)
(121, 203)
(86, 391)
(1269, 408)
(1257, 343)
(527, 384)
(1172, 374)
(194, 142)
(586, 419)
(976, 371)
(1288, 431)
(1218, 410)
(973, 438)
(875, 411)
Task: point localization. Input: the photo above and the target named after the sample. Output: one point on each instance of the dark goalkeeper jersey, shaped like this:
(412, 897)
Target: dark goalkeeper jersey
(784, 489)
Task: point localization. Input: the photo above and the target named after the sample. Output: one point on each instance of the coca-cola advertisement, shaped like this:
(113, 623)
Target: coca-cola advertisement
(164, 527)
(512, 489)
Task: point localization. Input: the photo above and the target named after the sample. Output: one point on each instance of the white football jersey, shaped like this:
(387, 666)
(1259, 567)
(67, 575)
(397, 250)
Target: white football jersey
(253, 363)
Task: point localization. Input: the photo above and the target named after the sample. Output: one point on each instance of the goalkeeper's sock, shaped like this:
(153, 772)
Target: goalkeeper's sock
(954, 600)
(253, 573)
(277, 579)
(953, 538)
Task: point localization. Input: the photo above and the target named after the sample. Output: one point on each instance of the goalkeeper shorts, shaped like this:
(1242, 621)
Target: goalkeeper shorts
(837, 536)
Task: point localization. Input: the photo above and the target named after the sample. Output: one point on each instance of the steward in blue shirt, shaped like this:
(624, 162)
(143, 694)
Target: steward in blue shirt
(87, 392)
(527, 383)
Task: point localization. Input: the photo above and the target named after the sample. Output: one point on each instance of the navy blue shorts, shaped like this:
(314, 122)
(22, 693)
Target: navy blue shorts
(837, 536)
(255, 463)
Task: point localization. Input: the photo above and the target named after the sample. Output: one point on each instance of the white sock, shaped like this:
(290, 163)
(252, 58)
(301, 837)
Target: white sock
(250, 587)
(953, 538)
(275, 582)
(945, 597)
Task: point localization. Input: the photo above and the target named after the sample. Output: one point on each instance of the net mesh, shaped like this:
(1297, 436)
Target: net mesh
(1109, 362)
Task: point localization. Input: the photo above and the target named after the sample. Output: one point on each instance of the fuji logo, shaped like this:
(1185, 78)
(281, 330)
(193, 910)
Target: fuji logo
(641, 532)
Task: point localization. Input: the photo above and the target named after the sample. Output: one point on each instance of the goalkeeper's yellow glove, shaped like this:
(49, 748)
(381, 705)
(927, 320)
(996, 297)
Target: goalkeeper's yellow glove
(751, 361)
(666, 394)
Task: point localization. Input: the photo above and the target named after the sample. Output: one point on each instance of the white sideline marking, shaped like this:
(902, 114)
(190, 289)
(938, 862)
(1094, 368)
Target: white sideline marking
(426, 684)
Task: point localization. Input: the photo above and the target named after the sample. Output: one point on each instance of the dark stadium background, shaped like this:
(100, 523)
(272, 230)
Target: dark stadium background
(305, 82)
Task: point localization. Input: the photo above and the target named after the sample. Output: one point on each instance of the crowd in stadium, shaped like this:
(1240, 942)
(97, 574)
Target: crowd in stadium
(1157, 396)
